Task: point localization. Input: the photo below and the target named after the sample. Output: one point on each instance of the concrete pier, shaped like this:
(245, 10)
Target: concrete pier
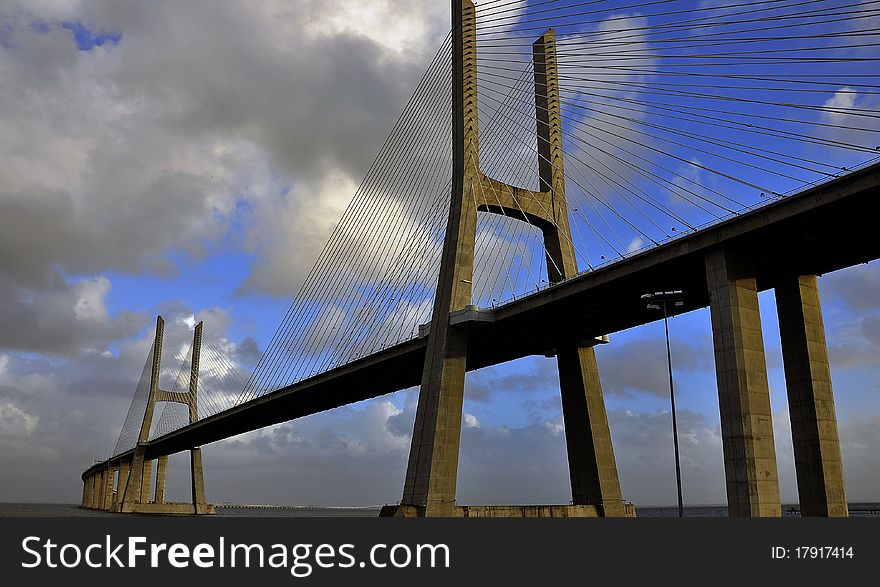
(810, 398)
(198, 482)
(124, 469)
(743, 391)
(161, 475)
(109, 482)
(146, 482)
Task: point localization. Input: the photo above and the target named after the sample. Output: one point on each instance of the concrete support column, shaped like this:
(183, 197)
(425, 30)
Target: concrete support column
(146, 481)
(132, 493)
(95, 489)
(124, 469)
(810, 398)
(743, 391)
(90, 486)
(591, 464)
(198, 481)
(161, 475)
(102, 489)
(432, 470)
(109, 479)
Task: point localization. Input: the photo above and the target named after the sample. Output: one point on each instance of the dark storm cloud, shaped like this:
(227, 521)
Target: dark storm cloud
(62, 317)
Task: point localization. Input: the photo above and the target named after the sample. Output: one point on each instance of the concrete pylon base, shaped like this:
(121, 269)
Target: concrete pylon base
(508, 511)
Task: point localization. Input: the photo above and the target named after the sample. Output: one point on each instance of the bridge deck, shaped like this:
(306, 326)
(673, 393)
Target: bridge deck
(819, 230)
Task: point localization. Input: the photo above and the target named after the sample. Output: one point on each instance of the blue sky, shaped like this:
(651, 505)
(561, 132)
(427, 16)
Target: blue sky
(192, 161)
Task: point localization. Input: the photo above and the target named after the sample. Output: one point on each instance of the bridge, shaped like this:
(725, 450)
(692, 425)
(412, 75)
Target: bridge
(427, 324)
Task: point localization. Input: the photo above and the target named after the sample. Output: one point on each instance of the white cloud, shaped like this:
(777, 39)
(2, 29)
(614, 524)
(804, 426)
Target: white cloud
(16, 422)
(91, 296)
(851, 127)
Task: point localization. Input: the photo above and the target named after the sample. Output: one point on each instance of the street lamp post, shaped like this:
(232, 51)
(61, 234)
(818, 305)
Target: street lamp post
(656, 301)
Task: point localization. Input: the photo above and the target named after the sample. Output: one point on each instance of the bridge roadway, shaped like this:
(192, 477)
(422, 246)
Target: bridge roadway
(816, 231)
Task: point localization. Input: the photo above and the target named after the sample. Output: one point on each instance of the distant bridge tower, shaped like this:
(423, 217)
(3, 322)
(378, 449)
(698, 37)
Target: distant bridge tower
(430, 484)
(133, 471)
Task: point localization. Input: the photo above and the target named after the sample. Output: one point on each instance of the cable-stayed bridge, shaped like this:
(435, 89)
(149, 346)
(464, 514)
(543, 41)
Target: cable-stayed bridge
(556, 161)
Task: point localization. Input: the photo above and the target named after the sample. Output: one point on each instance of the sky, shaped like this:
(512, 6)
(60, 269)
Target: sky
(191, 159)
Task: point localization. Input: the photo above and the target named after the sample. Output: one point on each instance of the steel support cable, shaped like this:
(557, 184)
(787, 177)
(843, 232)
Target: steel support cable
(725, 143)
(625, 199)
(218, 362)
(519, 229)
(666, 211)
(492, 142)
(598, 214)
(711, 40)
(387, 287)
(393, 256)
(691, 10)
(515, 173)
(207, 403)
(299, 363)
(483, 195)
(640, 52)
(390, 287)
(394, 334)
(641, 33)
(210, 365)
(388, 256)
(594, 49)
(351, 210)
(863, 112)
(530, 230)
(701, 22)
(257, 377)
(393, 290)
(686, 161)
(136, 409)
(577, 121)
(484, 144)
(522, 3)
(589, 48)
(169, 420)
(573, 102)
(207, 366)
(495, 221)
(423, 287)
(732, 145)
(528, 17)
(749, 130)
(681, 93)
(586, 221)
(614, 210)
(485, 23)
(669, 171)
(746, 126)
(622, 71)
(354, 210)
